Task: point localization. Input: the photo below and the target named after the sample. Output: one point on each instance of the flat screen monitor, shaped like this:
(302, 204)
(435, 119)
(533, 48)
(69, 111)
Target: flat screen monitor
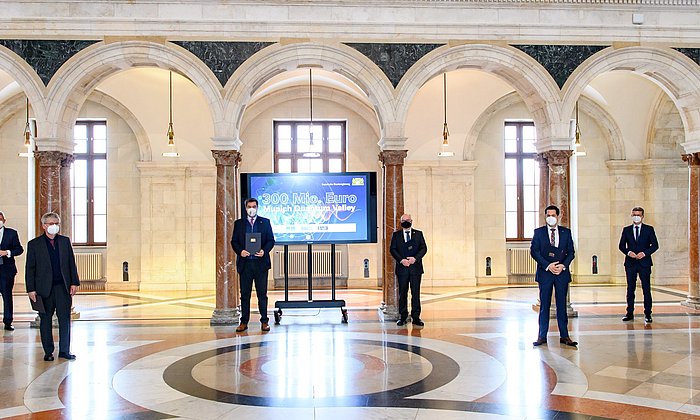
(318, 208)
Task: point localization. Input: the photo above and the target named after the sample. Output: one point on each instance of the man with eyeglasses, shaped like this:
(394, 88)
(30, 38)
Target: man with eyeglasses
(51, 277)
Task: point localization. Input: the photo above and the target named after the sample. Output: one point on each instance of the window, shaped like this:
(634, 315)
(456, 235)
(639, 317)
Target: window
(297, 151)
(88, 180)
(522, 180)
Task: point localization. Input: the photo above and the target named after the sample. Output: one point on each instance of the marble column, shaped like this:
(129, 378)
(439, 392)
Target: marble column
(558, 162)
(66, 212)
(693, 300)
(554, 189)
(227, 310)
(392, 174)
(50, 191)
(544, 185)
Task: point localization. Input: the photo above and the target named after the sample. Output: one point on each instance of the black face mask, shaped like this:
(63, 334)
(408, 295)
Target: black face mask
(405, 224)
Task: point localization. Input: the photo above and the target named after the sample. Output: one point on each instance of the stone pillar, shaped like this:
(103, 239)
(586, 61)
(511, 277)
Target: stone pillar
(66, 208)
(48, 198)
(227, 310)
(693, 300)
(392, 174)
(556, 187)
(544, 184)
(558, 162)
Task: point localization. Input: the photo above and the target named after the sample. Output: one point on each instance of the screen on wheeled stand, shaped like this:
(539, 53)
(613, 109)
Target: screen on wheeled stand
(317, 208)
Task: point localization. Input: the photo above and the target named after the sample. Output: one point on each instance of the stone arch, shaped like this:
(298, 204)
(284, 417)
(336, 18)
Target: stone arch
(500, 104)
(335, 57)
(27, 79)
(145, 153)
(531, 81)
(76, 79)
(677, 75)
(321, 92)
(608, 127)
(665, 132)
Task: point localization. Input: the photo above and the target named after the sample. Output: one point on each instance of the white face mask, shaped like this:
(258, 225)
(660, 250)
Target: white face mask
(551, 220)
(252, 211)
(637, 219)
(52, 229)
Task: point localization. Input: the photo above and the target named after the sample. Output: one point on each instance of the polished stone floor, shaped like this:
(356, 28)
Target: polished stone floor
(155, 356)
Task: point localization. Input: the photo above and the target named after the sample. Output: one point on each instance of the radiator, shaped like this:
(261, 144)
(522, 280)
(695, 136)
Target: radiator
(89, 266)
(521, 266)
(321, 263)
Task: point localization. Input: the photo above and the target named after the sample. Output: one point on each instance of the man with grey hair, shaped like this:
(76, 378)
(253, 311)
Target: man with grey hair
(10, 247)
(51, 273)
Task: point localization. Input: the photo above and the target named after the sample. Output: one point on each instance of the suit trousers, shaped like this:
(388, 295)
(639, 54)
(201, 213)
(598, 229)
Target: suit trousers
(253, 272)
(560, 285)
(59, 301)
(645, 277)
(7, 282)
(406, 279)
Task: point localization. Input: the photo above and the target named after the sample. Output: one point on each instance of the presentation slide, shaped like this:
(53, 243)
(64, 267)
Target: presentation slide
(316, 208)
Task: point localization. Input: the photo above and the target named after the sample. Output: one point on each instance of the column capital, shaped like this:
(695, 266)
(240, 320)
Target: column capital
(556, 157)
(392, 157)
(47, 144)
(227, 143)
(51, 157)
(692, 159)
(67, 161)
(392, 143)
(226, 157)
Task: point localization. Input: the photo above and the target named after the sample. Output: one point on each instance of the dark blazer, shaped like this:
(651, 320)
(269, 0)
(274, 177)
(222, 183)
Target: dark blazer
(38, 274)
(540, 249)
(398, 250)
(646, 243)
(10, 242)
(267, 239)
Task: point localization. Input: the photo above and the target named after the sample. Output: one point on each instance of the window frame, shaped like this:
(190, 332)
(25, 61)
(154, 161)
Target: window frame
(90, 157)
(519, 156)
(325, 154)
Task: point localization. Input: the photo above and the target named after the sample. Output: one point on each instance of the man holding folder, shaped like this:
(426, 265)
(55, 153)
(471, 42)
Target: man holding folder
(252, 242)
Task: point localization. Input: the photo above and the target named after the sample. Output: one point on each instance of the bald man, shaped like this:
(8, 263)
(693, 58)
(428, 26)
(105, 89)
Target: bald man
(408, 249)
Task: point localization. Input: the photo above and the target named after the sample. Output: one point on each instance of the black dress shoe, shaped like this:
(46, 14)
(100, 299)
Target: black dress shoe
(647, 319)
(66, 356)
(401, 322)
(539, 342)
(628, 317)
(9, 327)
(48, 357)
(568, 341)
(419, 322)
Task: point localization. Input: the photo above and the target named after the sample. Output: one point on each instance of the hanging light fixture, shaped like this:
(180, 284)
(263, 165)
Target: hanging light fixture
(27, 130)
(171, 132)
(445, 130)
(310, 153)
(578, 148)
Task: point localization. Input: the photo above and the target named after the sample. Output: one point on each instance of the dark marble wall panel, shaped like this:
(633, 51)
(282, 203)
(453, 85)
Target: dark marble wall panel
(394, 59)
(46, 57)
(223, 58)
(692, 53)
(560, 60)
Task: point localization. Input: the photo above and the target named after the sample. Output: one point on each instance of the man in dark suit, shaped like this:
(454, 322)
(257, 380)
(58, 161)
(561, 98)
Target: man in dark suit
(52, 275)
(638, 242)
(408, 249)
(10, 247)
(553, 248)
(253, 268)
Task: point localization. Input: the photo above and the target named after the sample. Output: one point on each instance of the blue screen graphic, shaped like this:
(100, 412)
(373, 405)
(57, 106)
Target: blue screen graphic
(316, 208)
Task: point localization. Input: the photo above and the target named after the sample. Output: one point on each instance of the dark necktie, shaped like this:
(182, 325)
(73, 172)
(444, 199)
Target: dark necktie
(250, 220)
(552, 238)
(53, 244)
(408, 235)
(636, 233)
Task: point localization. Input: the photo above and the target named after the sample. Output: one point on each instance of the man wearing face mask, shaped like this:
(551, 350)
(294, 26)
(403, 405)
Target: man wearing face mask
(408, 249)
(52, 274)
(253, 268)
(638, 242)
(10, 247)
(552, 248)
